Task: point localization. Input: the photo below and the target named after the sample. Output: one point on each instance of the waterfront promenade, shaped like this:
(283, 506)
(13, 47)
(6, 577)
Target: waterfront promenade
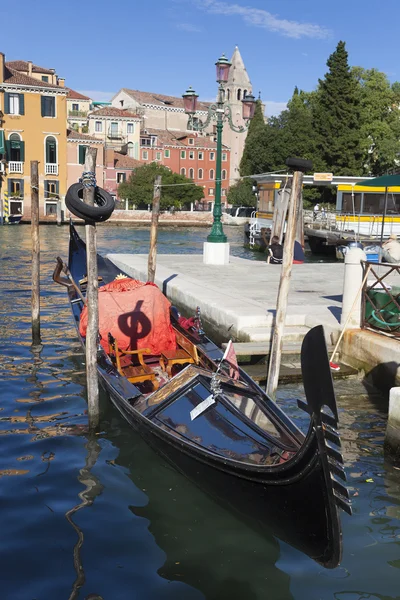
(238, 300)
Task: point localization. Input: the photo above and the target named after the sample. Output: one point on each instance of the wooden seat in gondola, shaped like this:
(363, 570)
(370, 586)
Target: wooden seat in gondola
(186, 353)
(135, 373)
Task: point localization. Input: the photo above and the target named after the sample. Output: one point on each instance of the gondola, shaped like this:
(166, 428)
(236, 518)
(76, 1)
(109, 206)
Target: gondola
(213, 422)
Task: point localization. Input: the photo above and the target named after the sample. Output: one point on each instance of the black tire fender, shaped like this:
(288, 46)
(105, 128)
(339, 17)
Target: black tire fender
(101, 211)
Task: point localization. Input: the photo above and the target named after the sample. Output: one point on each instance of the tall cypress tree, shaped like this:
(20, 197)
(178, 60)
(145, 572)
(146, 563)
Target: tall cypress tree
(250, 163)
(336, 117)
(298, 134)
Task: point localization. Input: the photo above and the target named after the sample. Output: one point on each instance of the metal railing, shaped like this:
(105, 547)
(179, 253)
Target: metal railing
(113, 134)
(15, 166)
(51, 169)
(77, 113)
(380, 308)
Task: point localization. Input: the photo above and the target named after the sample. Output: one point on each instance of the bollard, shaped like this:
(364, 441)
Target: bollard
(353, 278)
(392, 436)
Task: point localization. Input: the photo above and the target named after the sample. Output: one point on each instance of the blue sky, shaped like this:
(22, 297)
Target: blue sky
(165, 45)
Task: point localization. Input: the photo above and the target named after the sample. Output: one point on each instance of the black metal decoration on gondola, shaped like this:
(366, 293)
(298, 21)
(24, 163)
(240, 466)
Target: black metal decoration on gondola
(227, 435)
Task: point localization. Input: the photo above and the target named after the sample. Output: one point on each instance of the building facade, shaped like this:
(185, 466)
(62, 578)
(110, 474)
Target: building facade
(117, 128)
(78, 107)
(189, 154)
(32, 126)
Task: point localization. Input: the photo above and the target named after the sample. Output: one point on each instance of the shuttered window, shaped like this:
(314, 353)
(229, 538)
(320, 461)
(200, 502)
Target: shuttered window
(15, 148)
(51, 150)
(14, 104)
(82, 154)
(48, 105)
(51, 189)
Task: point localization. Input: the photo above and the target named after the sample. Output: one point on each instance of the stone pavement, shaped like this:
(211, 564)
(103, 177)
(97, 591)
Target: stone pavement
(238, 300)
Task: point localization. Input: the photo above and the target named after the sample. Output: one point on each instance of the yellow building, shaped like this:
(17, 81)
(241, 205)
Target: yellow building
(33, 115)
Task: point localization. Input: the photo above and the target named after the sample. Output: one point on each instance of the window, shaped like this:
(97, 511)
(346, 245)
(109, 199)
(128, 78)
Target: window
(211, 173)
(145, 141)
(223, 174)
(114, 130)
(51, 150)
(191, 173)
(211, 192)
(145, 154)
(129, 128)
(191, 155)
(81, 154)
(201, 156)
(158, 155)
(51, 190)
(183, 153)
(15, 149)
(167, 153)
(191, 141)
(347, 203)
(223, 192)
(121, 177)
(14, 104)
(75, 107)
(98, 126)
(131, 150)
(183, 171)
(228, 94)
(48, 106)
(15, 188)
(239, 93)
(244, 93)
(212, 155)
(224, 156)
(45, 78)
(200, 176)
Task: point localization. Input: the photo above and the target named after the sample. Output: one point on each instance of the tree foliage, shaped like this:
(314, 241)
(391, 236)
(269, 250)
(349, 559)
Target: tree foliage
(139, 189)
(241, 194)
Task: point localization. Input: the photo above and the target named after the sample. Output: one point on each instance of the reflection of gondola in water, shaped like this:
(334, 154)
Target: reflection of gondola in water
(202, 420)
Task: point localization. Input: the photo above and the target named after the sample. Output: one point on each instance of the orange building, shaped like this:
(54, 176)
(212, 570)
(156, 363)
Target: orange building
(189, 154)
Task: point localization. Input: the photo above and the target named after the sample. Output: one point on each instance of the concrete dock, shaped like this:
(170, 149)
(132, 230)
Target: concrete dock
(238, 300)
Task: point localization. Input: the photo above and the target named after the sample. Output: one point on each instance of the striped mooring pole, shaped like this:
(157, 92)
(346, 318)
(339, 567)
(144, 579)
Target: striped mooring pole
(6, 208)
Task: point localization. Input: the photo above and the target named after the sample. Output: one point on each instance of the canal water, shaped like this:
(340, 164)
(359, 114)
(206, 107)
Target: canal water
(104, 517)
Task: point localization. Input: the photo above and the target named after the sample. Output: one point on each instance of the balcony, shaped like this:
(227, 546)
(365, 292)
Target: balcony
(114, 134)
(80, 114)
(51, 169)
(15, 166)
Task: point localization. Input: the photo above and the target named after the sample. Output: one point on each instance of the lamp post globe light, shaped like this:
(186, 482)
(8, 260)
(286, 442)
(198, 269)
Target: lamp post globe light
(220, 111)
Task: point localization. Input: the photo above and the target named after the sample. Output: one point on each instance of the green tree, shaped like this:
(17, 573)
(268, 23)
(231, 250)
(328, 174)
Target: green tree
(241, 193)
(337, 119)
(298, 135)
(380, 118)
(254, 146)
(179, 191)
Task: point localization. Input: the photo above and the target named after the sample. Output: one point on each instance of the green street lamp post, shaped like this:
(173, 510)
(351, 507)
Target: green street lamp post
(220, 112)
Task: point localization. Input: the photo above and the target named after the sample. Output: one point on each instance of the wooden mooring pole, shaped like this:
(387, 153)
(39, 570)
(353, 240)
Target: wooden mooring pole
(151, 269)
(36, 340)
(92, 333)
(299, 166)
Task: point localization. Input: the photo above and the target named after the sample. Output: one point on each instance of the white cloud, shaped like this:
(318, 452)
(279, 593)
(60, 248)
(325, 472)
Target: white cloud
(97, 95)
(265, 20)
(272, 108)
(188, 27)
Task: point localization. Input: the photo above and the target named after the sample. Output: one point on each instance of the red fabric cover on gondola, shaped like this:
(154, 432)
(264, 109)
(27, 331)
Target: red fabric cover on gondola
(136, 314)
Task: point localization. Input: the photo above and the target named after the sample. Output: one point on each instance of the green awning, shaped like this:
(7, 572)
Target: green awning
(2, 145)
(383, 181)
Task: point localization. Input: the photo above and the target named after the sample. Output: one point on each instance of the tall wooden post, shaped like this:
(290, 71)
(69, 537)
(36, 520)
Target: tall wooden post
(91, 293)
(281, 305)
(36, 340)
(151, 269)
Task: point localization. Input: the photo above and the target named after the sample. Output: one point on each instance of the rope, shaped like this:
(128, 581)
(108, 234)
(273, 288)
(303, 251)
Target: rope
(88, 179)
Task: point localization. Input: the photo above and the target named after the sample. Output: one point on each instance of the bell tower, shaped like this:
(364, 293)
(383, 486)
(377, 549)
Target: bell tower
(237, 86)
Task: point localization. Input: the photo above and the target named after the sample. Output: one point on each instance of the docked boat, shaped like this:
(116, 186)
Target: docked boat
(197, 408)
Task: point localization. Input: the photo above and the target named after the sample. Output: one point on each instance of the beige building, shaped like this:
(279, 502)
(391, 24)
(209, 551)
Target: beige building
(117, 128)
(78, 107)
(236, 88)
(159, 111)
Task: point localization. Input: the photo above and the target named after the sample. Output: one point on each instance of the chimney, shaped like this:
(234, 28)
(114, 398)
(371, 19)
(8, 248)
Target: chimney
(53, 76)
(110, 158)
(30, 68)
(61, 81)
(2, 66)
